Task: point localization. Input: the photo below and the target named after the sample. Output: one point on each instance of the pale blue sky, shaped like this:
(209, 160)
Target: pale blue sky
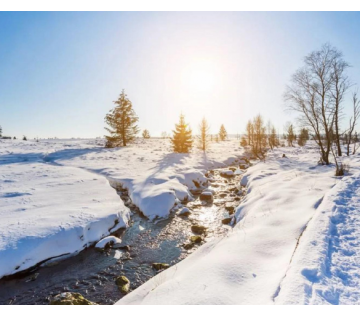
(60, 72)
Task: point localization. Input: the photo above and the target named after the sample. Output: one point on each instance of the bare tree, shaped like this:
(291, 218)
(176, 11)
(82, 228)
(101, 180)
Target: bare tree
(204, 138)
(352, 123)
(259, 137)
(250, 132)
(341, 84)
(312, 94)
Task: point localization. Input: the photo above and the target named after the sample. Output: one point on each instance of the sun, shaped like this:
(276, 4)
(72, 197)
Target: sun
(200, 76)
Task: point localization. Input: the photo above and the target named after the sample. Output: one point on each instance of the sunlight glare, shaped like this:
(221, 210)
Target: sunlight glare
(200, 76)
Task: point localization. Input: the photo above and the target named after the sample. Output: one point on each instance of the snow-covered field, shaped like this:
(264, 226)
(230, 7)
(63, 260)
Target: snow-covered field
(270, 257)
(296, 240)
(56, 196)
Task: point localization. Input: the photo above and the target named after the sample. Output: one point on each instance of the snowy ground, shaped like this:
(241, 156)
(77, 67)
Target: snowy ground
(270, 256)
(56, 196)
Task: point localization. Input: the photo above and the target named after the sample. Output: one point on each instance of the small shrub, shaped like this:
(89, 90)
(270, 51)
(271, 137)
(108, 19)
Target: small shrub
(342, 169)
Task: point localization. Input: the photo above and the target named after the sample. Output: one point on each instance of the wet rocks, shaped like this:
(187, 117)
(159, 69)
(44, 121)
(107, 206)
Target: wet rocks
(198, 229)
(160, 266)
(196, 239)
(226, 220)
(123, 284)
(185, 212)
(227, 173)
(107, 242)
(206, 196)
(188, 245)
(230, 209)
(122, 247)
(70, 298)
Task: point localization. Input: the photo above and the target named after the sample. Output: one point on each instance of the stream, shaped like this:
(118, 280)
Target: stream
(92, 272)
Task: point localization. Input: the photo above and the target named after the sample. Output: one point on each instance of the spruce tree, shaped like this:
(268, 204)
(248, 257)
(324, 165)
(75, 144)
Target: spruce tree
(204, 137)
(222, 133)
(0, 131)
(122, 121)
(146, 134)
(182, 137)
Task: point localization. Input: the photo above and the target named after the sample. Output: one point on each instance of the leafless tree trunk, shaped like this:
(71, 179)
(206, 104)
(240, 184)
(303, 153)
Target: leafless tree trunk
(340, 85)
(353, 121)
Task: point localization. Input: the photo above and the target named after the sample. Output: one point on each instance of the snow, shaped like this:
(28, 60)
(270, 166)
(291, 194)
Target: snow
(295, 241)
(325, 267)
(251, 264)
(57, 196)
(107, 240)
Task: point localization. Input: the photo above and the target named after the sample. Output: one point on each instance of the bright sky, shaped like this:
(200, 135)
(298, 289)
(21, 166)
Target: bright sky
(60, 72)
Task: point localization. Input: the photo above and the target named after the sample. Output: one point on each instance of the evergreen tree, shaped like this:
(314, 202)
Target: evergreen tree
(122, 121)
(204, 137)
(24, 138)
(290, 136)
(303, 137)
(146, 134)
(182, 137)
(0, 131)
(222, 133)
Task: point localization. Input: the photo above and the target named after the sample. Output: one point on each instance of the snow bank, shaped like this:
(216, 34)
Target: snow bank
(325, 267)
(48, 211)
(55, 197)
(248, 265)
(108, 240)
(157, 178)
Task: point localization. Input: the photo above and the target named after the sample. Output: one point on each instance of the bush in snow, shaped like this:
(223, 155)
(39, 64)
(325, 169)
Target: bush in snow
(146, 134)
(122, 123)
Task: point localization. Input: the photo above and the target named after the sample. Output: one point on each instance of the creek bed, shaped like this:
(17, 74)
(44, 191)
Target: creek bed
(92, 273)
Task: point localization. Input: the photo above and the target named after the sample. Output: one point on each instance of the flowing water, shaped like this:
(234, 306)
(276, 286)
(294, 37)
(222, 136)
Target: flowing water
(92, 272)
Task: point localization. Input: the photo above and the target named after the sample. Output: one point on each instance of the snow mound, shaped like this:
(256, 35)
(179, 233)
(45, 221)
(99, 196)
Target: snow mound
(107, 240)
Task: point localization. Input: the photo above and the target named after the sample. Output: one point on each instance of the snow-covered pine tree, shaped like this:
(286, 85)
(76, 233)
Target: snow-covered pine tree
(0, 131)
(122, 121)
(146, 134)
(222, 133)
(182, 137)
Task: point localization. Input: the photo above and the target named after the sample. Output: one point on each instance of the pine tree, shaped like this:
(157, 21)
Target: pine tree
(222, 133)
(24, 138)
(204, 137)
(290, 134)
(122, 120)
(146, 134)
(0, 131)
(182, 137)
